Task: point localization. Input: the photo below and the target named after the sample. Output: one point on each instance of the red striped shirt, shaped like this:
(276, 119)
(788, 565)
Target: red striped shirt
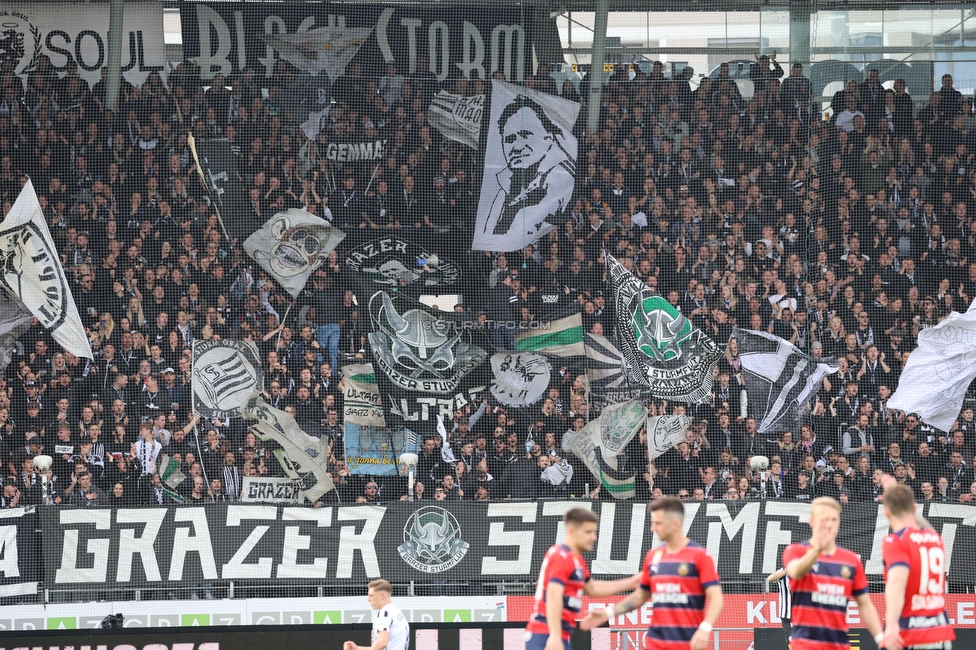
(923, 618)
(820, 598)
(677, 583)
(564, 567)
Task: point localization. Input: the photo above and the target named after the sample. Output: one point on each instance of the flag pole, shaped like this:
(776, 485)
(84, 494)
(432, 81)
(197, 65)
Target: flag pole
(190, 140)
(372, 176)
(196, 435)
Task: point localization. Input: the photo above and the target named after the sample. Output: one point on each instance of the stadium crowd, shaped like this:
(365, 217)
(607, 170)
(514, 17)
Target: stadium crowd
(846, 237)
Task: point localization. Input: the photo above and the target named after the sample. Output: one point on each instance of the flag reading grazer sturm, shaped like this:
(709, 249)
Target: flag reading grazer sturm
(780, 379)
(225, 373)
(291, 245)
(457, 117)
(600, 442)
(530, 167)
(664, 432)
(33, 277)
(302, 458)
(934, 382)
(663, 349)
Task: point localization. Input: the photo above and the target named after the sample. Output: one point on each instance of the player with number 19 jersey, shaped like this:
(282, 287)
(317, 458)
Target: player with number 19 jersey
(923, 619)
(568, 569)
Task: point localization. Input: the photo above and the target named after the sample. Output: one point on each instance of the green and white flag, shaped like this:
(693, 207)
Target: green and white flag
(362, 403)
(559, 338)
(600, 442)
(663, 349)
(169, 472)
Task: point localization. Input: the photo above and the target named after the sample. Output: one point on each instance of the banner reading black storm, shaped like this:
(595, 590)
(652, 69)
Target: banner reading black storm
(224, 37)
(483, 541)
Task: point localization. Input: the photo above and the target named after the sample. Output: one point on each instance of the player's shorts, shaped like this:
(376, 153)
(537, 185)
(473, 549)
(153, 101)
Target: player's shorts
(787, 629)
(538, 642)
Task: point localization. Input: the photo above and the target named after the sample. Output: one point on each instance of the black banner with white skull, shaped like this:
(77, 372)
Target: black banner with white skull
(400, 541)
(224, 37)
(428, 363)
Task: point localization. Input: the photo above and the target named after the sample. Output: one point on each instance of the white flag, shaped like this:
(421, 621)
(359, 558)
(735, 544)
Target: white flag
(457, 117)
(664, 432)
(780, 379)
(599, 443)
(530, 167)
(934, 382)
(291, 245)
(304, 459)
(33, 274)
(327, 49)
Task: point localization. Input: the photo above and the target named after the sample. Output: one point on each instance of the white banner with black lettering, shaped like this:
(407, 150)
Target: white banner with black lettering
(79, 32)
(270, 490)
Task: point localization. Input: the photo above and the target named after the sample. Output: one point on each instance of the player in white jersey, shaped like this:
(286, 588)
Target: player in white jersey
(391, 631)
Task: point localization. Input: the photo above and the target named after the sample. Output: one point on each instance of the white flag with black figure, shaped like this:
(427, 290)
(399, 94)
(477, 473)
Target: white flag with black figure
(291, 245)
(530, 167)
(34, 277)
(780, 379)
(938, 373)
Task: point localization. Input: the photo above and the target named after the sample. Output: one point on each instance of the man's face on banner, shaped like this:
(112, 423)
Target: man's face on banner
(525, 140)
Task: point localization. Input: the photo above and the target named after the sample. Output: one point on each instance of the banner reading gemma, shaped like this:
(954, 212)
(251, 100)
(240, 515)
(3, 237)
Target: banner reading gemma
(225, 37)
(400, 541)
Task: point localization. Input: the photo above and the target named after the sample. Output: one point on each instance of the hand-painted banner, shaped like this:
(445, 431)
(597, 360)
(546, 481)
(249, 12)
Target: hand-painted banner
(225, 37)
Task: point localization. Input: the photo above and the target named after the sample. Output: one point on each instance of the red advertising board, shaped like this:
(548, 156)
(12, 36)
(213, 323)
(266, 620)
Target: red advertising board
(746, 611)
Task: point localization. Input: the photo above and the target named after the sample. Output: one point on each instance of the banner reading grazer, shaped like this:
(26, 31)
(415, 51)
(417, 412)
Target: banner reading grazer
(224, 37)
(79, 32)
(506, 540)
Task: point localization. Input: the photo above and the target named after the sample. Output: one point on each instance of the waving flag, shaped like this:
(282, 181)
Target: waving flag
(327, 49)
(780, 379)
(291, 245)
(600, 442)
(457, 117)
(606, 372)
(33, 276)
(664, 432)
(934, 382)
(663, 349)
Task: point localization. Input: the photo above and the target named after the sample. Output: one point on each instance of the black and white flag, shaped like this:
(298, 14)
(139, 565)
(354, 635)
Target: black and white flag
(530, 167)
(606, 372)
(225, 373)
(427, 362)
(663, 349)
(322, 55)
(780, 379)
(33, 276)
(303, 459)
(664, 432)
(291, 245)
(457, 117)
(217, 166)
(519, 379)
(392, 261)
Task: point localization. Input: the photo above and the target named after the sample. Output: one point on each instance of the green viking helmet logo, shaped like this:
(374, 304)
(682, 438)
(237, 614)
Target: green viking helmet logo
(660, 329)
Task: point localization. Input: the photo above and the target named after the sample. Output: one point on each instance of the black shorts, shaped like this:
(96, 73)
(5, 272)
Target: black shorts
(787, 629)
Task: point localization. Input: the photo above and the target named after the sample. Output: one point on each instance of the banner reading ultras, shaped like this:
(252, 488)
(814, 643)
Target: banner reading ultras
(477, 41)
(275, 545)
(79, 32)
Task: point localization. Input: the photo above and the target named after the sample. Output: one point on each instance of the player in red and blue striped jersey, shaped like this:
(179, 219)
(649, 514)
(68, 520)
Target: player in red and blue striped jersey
(563, 581)
(677, 578)
(824, 577)
(914, 557)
